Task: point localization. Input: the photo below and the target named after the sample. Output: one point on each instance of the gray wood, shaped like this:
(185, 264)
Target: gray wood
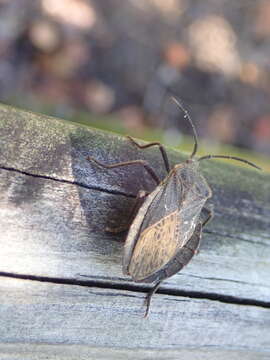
(63, 314)
(54, 208)
(74, 352)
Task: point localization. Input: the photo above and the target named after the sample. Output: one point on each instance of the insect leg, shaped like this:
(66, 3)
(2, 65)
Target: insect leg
(126, 163)
(161, 148)
(210, 214)
(149, 297)
(137, 204)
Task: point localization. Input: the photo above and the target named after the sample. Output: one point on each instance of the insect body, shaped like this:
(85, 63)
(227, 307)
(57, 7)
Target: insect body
(166, 224)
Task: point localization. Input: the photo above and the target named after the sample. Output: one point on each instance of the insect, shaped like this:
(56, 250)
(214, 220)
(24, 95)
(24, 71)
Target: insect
(166, 224)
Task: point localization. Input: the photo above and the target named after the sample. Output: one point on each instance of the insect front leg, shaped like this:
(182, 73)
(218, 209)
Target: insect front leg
(137, 204)
(209, 214)
(161, 148)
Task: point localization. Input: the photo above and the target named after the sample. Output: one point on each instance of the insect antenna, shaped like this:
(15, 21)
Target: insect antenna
(229, 157)
(195, 136)
(187, 116)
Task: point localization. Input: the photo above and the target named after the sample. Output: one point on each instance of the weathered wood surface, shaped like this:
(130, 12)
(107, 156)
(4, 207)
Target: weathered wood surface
(61, 279)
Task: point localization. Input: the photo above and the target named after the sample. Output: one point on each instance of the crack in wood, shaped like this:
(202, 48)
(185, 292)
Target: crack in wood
(224, 234)
(229, 299)
(64, 181)
(230, 280)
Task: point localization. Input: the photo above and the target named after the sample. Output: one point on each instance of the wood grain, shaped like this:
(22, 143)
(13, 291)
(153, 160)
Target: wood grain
(63, 314)
(54, 208)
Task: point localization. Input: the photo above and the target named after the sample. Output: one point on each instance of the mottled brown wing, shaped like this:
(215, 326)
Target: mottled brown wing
(156, 245)
(162, 202)
(180, 259)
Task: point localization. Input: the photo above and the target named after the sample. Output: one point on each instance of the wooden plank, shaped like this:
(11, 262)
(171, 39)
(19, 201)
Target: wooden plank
(76, 315)
(54, 208)
(75, 352)
(61, 223)
(61, 235)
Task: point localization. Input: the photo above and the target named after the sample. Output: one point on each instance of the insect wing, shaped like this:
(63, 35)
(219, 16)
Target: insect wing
(185, 254)
(134, 230)
(154, 235)
(181, 258)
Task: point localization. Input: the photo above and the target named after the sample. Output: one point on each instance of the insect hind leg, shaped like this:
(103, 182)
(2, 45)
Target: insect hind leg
(149, 297)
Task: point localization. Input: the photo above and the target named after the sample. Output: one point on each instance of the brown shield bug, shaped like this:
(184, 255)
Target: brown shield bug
(166, 224)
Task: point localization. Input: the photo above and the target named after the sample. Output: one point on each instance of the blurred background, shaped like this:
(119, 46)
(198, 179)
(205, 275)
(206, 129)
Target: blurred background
(114, 63)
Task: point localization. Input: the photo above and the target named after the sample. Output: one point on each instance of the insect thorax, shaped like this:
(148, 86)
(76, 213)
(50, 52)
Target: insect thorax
(192, 180)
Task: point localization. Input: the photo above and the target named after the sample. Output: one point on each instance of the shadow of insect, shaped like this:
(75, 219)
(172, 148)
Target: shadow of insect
(165, 226)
